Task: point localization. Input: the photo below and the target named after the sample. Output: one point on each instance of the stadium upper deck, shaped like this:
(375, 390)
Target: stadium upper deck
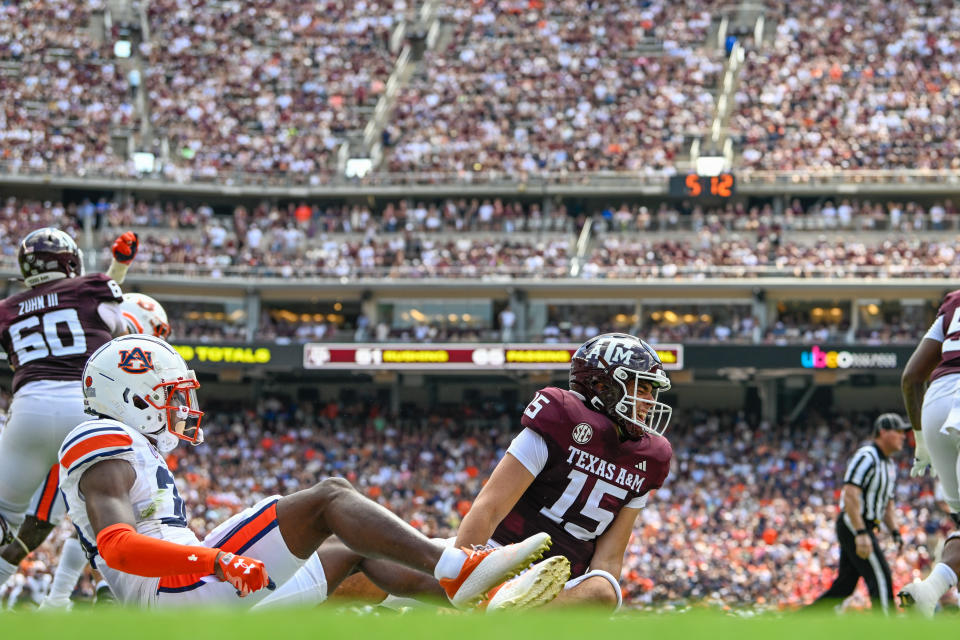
(611, 94)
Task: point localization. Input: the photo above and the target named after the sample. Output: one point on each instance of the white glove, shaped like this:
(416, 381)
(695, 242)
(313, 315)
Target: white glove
(921, 457)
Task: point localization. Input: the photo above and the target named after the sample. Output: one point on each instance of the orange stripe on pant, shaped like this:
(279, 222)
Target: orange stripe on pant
(250, 530)
(90, 445)
(232, 544)
(49, 494)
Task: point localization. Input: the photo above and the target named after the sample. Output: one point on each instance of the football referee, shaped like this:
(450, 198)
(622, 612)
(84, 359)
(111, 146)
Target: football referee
(867, 499)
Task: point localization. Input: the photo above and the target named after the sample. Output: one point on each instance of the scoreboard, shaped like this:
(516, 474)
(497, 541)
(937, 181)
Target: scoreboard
(466, 357)
(693, 185)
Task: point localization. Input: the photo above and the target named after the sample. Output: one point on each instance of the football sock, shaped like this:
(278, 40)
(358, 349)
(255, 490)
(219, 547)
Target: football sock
(6, 570)
(941, 578)
(450, 564)
(305, 588)
(72, 562)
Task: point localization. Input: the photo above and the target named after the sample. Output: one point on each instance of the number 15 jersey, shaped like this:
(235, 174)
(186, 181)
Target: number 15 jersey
(589, 475)
(49, 331)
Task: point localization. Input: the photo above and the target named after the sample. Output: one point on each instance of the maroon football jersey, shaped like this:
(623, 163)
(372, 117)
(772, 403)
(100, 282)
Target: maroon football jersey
(589, 476)
(49, 331)
(949, 315)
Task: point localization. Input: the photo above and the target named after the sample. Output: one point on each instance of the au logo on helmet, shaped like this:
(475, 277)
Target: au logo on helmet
(136, 360)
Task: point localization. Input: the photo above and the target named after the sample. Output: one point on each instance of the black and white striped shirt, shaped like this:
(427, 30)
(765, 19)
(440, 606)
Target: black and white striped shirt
(876, 475)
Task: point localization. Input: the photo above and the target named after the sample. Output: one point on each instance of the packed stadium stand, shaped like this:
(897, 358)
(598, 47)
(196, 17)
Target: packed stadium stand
(834, 90)
(379, 227)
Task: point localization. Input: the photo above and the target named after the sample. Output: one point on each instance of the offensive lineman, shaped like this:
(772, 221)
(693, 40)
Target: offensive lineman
(934, 412)
(48, 331)
(132, 522)
(580, 470)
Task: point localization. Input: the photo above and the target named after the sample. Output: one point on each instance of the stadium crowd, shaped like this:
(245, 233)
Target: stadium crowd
(279, 247)
(272, 90)
(822, 215)
(737, 330)
(512, 89)
(746, 516)
(294, 226)
(866, 85)
(273, 241)
(62, 94)
(743, 255)
(528, 88)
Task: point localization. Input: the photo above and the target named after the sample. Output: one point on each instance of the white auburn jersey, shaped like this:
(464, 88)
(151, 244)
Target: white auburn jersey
(159, 510)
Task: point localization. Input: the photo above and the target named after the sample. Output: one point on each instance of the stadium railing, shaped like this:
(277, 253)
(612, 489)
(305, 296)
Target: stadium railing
(486, 181)
(669, 273)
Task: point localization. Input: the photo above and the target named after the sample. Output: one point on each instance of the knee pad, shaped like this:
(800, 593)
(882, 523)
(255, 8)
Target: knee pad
(599, 573)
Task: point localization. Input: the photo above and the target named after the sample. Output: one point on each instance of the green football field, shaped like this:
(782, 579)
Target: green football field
(340, 625)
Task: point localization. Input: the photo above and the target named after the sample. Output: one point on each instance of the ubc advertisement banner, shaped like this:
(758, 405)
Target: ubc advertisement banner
(802, 357)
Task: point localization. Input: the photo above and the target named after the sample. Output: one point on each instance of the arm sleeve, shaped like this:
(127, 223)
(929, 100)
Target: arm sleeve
(111, 315)
(530, 449)
(117, 271)
(935, 332)
(123, 549)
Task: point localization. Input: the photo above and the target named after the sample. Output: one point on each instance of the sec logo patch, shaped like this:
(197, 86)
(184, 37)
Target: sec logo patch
(582, 433)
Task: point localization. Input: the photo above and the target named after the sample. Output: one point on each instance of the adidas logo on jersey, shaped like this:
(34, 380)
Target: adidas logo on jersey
(642, 465)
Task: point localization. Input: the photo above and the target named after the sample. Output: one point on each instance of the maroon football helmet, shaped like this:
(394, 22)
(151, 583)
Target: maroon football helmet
(48, 254)
(600, 370)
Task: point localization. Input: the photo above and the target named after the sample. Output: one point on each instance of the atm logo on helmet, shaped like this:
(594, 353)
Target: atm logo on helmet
(136, 360)
(817, 358)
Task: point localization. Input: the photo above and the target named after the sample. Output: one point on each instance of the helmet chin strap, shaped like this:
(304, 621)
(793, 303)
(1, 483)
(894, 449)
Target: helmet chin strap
(628, 435)
(167, 442)
(40, 278)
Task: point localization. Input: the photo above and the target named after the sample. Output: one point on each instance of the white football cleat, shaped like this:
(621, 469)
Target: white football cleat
(920, 597)
(535, 587)
(486, 567)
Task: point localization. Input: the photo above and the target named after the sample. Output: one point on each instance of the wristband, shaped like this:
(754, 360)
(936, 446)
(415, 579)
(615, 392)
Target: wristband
(862, 531)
